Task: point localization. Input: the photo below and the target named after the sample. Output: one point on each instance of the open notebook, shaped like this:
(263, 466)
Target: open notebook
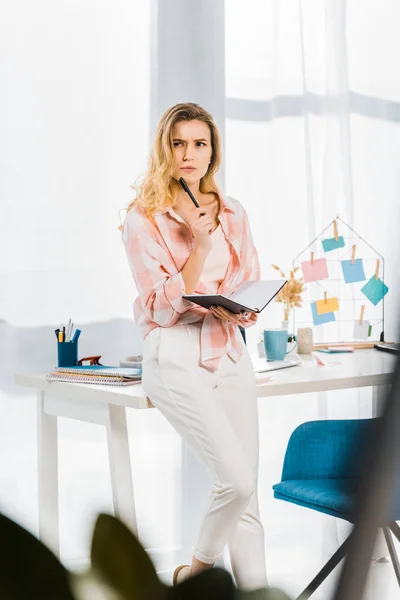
(252, 296)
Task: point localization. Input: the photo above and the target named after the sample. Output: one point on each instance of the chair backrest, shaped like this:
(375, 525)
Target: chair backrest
(332, 449)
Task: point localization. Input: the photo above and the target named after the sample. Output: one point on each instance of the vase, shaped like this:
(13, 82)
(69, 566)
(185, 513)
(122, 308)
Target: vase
(285, 324)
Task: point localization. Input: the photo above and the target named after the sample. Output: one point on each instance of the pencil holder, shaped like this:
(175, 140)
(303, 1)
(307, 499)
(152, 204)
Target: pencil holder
(67, 354)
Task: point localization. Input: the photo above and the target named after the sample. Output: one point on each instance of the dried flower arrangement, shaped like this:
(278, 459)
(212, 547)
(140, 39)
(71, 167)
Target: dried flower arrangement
(290, 294)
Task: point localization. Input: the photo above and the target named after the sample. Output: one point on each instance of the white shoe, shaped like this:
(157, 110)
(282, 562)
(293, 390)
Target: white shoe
(180, 574)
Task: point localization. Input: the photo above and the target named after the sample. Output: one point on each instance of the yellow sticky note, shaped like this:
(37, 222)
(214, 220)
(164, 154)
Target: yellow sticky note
(330, 305)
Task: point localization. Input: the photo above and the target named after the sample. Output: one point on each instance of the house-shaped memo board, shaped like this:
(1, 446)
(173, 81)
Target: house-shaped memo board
(345, 287)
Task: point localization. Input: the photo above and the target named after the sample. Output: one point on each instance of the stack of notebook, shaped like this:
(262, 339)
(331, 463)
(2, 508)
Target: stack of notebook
(96, 374)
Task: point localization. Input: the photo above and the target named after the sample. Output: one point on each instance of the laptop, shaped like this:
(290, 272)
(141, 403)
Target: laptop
(394, 348)
(261, 365)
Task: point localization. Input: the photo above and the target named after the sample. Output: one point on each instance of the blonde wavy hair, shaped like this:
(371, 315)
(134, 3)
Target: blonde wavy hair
(157, 189)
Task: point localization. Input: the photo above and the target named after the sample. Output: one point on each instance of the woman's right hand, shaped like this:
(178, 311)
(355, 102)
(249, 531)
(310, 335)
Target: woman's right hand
(201, 227)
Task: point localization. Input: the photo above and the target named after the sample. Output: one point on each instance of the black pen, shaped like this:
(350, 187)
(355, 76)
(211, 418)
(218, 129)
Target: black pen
(193, 199)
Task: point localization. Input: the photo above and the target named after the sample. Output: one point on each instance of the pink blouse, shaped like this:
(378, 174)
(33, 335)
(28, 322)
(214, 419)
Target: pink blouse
(157, 252)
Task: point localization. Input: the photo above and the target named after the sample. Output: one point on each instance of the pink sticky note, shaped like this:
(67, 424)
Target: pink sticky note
(314, 271)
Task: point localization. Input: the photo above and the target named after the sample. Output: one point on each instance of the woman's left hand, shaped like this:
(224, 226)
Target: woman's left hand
(226, 315)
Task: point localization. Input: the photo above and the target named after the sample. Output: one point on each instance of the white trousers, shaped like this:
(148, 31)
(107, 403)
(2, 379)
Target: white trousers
(216, 414)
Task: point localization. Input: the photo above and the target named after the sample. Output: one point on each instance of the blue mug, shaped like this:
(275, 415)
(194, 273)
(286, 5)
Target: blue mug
(275, 344)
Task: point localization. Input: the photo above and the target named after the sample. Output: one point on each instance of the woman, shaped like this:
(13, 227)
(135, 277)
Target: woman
(196, 368)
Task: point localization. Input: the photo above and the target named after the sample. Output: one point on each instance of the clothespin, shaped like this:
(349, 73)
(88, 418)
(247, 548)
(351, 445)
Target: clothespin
(362, 314)
(312, 258)
(325, 298)
(353, 254)
(377, 269)
(335, 230)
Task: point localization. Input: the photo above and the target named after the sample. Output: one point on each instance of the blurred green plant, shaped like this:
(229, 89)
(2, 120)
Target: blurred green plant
(120, 569)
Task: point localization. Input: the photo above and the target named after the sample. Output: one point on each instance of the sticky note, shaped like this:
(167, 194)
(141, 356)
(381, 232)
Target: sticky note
(353, 272)
(320, 319)
(316, 270)
(375, 290)
(327, 306)
(329, 244)
(361, 332)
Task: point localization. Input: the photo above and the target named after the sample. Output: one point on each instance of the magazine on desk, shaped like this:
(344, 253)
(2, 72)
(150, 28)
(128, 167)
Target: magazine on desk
(252, 296)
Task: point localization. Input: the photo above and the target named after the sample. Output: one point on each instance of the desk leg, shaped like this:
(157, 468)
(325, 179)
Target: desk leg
(48, 476)
(379, 574)
(379, 395)
(120, 467)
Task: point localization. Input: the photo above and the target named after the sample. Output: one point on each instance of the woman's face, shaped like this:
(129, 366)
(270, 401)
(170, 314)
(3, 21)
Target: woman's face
(192, 151)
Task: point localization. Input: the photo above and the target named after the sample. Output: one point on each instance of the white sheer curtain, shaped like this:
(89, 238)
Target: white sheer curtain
(307, 96)
(75, 124)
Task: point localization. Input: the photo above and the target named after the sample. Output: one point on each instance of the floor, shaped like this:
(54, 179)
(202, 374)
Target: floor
(298, 541)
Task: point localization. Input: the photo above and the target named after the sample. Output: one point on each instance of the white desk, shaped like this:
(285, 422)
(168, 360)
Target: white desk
(106, 406)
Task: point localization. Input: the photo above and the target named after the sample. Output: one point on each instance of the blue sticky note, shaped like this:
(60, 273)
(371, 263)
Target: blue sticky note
(320, 319)
(375, 290)
(353, 272)
(329, 244)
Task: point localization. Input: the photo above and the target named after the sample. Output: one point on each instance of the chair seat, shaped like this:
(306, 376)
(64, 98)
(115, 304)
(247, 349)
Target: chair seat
(334, 497)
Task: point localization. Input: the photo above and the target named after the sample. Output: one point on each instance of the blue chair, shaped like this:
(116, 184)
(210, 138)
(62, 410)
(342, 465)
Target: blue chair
(321, 471)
